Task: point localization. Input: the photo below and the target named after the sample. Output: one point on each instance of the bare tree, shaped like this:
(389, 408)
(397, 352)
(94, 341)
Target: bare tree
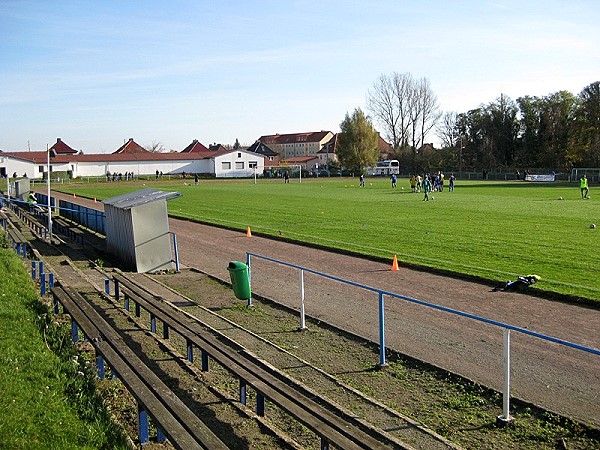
(405, 109)
(155, 147)
(429, 110)
(446, 129)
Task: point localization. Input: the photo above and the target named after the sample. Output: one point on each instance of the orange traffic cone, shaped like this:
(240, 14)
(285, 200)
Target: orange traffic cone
(248, 233)
(395, 264)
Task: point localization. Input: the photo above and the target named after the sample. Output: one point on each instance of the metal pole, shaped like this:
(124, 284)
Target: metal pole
(460, 155)
(176, 250)
(302, 316)
(49, 206)
(382, 362)
(249, 277)
(505, 417)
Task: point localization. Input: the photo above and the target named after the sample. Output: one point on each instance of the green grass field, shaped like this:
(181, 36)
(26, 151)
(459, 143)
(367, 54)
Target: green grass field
(494, 230)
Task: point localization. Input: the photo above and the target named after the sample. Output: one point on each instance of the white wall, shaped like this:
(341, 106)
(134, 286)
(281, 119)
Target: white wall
(238, 158)
(168, 167)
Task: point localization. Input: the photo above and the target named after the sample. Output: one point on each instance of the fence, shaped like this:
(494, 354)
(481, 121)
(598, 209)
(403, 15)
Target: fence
(507, 328)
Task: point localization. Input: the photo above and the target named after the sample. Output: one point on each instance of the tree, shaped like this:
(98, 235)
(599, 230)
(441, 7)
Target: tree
(585, 130)
(447, 129)
(155, 147)
(406, 109)
(358, 142)
(237, 145)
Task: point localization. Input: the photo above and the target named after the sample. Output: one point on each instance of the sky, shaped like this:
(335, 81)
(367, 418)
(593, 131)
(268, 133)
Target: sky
(96, 73)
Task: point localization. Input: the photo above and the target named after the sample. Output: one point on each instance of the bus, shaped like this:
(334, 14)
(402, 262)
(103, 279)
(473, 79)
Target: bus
(384, 168)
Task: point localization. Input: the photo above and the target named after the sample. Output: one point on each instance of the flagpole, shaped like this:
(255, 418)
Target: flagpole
(49, 206)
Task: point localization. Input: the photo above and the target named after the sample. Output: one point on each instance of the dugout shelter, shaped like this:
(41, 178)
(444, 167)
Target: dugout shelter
(137, 229)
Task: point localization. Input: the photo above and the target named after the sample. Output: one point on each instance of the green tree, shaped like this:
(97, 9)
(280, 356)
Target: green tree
(358, 142)
(585, 129)
(237, 144)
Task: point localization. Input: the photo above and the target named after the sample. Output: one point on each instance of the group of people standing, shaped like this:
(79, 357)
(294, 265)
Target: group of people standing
(430, 183)
(119, 176)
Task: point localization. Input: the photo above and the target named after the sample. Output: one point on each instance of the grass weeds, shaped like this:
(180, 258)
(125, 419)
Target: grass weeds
(48, 391)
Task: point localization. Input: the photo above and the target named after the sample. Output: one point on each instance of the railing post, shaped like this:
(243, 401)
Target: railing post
(302, 315)
(107, 286)
(382, 362)
(249, 277)
(117, 291)
(505, 417)
(50, 280)
(165, 330)
(324, 443)
(33, 270)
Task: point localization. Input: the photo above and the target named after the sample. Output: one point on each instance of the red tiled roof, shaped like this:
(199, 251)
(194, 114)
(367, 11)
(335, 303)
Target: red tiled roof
(41, 157)
(293, 137)
(216, 148)
(131, 147)
(299, 159)
(195, 147)
(60, 148)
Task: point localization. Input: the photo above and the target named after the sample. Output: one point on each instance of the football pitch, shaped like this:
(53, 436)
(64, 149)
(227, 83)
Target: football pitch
(494, 230)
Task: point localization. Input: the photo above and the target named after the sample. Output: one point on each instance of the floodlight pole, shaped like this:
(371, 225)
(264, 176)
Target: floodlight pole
(49, 206)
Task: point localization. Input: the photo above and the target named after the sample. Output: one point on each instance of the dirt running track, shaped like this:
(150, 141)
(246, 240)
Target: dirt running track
(558, 378)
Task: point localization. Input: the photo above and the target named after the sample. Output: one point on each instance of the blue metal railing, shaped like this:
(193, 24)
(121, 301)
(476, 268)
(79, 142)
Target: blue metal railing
(507, 328)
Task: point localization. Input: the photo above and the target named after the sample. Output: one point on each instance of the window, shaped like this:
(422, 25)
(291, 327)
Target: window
(41, 169)
(252, 164)
(271, 158)
(239, 165)
(226, 165)
(239, 154)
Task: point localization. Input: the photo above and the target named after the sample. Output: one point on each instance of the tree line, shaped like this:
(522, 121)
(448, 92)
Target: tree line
(555, 132)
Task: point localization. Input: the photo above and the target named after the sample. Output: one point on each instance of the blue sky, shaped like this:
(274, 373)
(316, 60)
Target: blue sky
(98, 72)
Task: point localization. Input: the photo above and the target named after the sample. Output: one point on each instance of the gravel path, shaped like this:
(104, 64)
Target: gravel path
(555, 377)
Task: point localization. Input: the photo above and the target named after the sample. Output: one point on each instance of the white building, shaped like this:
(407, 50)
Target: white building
(132, 158)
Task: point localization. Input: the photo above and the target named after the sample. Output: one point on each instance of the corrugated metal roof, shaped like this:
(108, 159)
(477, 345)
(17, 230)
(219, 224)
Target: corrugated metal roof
(133, 199)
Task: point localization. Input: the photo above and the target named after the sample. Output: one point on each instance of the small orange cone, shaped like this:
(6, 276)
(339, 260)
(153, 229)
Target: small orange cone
(248, 233)
(395, 264)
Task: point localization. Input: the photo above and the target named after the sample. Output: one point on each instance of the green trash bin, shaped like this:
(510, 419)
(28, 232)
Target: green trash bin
(238, 272)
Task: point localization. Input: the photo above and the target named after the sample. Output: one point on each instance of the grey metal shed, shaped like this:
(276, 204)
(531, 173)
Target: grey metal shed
(137, 229)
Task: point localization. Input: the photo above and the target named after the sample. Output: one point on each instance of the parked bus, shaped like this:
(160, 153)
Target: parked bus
(384, 168)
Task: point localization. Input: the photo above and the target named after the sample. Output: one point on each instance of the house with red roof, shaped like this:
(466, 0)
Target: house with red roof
(297, 144)
(132, 158)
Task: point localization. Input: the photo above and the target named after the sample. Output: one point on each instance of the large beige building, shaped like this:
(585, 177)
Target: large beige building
(297, 144)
